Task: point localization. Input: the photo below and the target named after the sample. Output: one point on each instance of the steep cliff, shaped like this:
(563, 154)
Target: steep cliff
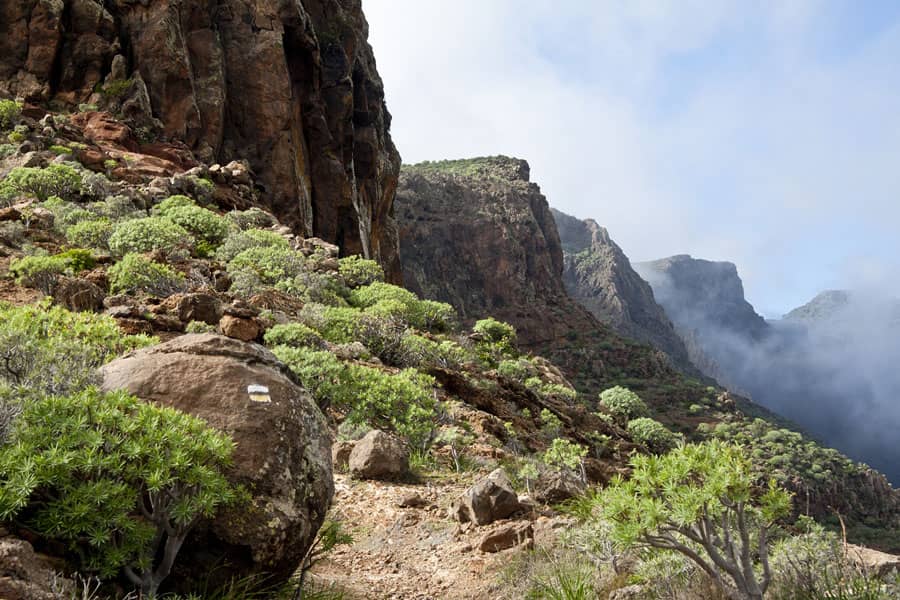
(599, 277)
(289, 85)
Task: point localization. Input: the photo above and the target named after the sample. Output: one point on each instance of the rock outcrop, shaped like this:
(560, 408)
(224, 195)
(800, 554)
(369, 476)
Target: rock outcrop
(703, 295)
(283, 454)
(479, 235)
(599, 276)
(26, 575)
(290, 86)
(489, 500)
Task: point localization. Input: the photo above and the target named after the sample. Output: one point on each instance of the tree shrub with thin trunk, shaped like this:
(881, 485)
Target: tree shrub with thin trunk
(703, 501)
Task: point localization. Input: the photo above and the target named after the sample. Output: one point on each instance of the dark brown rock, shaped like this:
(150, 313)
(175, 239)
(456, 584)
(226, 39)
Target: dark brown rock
(240, 328)
(25, 575)
(195, 307)
(380, 456)
(78, 294)
(508, 535)
(558, 486)
(412, 500)
(340, 455)
(283, 454)
(489, 500)
(290, 86)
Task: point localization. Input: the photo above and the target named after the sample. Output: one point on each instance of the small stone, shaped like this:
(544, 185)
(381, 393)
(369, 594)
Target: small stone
(379, 456)
(340, 454)
(506, 536)
(412, 500)
(490, 499)
(239, 328)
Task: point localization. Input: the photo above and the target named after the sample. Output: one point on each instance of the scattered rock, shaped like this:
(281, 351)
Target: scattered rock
(313, 244)
(25, 575)
(240, 328)
(412, 500)
(283, 453)
(379, 456)
(195, 307)
(631, 592)
(508, 535)
(340, 454)
(78, 294)
(490, 499)
(557, 487)
(881, 563)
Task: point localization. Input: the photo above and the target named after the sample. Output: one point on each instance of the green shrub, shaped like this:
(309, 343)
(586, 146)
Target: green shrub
(90, 234)
(321, 288)
(82, 465)
(137, 273)
(251, 218)
(238, 241)
(563, 454)
(358, 271)
(199, 327)
(515, 369)
(39, 272)
(419, 351)
(9, 113)
(550, 390)
(49, 349)
(293, 334)
(148, 234)
(435, 316)
(338, 325)
(204, 224)
(623, 404)
(267, 265)
(54, 180)
(652, 434)
(172, 202)
(7, 150)
(60, 149)
(68, 214)
(403, 402)
(494, 339)
(42, 272)
(379, 291)
(702, 501)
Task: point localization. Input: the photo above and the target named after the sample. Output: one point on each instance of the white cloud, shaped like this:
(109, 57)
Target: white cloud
(631, 113)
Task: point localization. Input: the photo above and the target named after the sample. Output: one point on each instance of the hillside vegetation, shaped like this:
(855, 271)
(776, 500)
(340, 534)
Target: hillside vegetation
(97, 263)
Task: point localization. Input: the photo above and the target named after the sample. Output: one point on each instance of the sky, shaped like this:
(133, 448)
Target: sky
(759, 132)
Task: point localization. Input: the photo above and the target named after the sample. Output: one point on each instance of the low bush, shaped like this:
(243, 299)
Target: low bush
(251, 218)
(338, 325)
(149, 234)
(172, 202)
(623, 404)
(204, 224)
(90, 234)
(296, 335)
(358, 271)
(267, 265)
(137, 273)
(54, 180)
(494, 339)
(48, 349)
(563, 454)
(120, 481)
(9, 113)
(199, 327)
(403, 402)
(238, 241)
(652, 434)
(42, 272)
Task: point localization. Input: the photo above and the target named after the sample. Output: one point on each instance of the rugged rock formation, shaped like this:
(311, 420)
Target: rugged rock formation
(701, 294)
(283, 454)
(289, 85)
(26, 575)
(478, 234)
(599, 276)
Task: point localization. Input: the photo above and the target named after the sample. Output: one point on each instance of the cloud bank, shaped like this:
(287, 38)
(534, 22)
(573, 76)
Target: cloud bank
(762, 133)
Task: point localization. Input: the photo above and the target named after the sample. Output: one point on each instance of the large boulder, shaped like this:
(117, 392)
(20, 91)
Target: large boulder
(283, 454)
(25, 575)
(379, 456)
(490, 499)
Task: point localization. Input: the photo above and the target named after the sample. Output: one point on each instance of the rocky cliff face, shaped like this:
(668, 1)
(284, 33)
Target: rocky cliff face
(289, 85)
(479, 235)
(599, 277)
(699, 294)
